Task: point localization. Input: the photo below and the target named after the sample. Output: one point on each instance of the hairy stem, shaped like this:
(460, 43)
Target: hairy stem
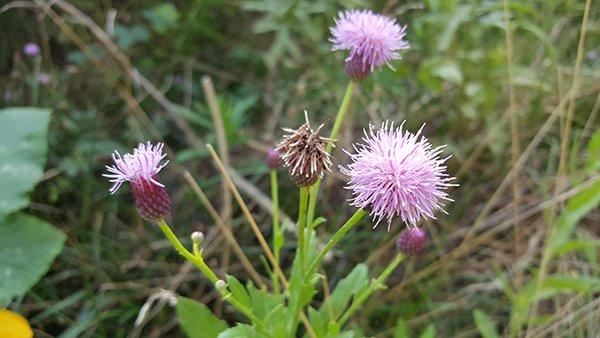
(196, 259)
(301, 250)
(339, 119)
(358, 215)
(277, 235)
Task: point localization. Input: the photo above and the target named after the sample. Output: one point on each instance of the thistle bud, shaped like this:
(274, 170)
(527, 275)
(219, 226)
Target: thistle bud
(140, 169)
(197, 236)
(411, 241)
(273, 160)
(305, 154)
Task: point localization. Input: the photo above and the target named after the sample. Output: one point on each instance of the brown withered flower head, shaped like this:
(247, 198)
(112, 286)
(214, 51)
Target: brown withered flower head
(304, 153)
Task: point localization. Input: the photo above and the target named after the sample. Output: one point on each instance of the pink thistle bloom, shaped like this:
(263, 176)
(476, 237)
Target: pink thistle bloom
(397, 173)
(141, 169)
(373, 40)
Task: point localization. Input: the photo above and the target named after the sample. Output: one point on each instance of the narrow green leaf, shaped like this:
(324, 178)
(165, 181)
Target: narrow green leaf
(429, 331)
(572, 283)
(577, 207)
(401, 329)
(484, 324)
(238, 290)
(197, 321)
(593, 150)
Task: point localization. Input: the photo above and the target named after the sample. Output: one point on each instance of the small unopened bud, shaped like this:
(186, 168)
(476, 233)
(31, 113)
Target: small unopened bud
(411, 241)
(273, 160)
(197, 236)
(220, 284)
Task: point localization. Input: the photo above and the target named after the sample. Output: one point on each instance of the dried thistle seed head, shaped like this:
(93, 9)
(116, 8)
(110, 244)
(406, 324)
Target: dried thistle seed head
(304, 153)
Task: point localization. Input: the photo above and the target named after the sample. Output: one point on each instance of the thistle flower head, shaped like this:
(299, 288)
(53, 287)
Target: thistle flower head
(373, 40)
(141, 169)
(304, 154)
(397, 173)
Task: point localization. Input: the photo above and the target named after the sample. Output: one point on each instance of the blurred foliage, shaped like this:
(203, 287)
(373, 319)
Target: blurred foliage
(270, 60)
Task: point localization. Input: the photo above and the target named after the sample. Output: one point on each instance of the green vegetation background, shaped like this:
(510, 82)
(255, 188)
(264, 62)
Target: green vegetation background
(269, 61)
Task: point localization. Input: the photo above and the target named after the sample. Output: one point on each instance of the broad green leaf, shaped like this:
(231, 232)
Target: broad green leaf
(484, 324)
(28, 245)
(401, 329)
(344, 290)
(197, 321)
(238, 290)
(429, 332)
(240, 331)
(269, 309)
(334, 306)
(22, 155)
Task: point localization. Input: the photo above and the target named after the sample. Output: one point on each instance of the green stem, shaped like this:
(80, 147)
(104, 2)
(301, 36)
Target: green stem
(358, 215)
(277, 234)
(335, 130)
(339, 119)
(376, 284)
(35, 86)
(300, 250)
(196, 260)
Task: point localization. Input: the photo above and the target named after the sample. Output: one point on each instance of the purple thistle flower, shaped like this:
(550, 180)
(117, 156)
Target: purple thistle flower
(31, 49)
(141, 169)
(411, 241)
(373, 40)
(397, 173)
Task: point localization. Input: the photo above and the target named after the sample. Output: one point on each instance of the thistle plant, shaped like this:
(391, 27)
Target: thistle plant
(393, 174)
